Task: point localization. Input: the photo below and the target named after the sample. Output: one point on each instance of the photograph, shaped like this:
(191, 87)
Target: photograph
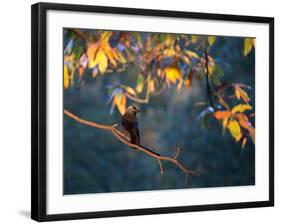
(152, 111)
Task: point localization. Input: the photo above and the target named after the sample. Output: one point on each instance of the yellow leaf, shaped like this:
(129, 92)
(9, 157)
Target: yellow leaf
(211, 65)
(240, 93)
(105, 35)
(71, 77)
(130, 90)
(191, 54)
(110, 53)
(65, 77)
(169, 52)
(172, 74)
(120, 57)
(91, 53)
(120, 101)
(194, 39)
(235, 130)
(102, 62)
(248, 45)
(185, 59)
(140, 83)
(240, 108)
(211, 40)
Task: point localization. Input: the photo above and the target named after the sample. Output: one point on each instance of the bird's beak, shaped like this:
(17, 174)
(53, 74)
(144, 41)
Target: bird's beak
(137, 110)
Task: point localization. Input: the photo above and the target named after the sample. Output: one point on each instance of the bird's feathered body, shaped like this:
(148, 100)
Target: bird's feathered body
(130, 124)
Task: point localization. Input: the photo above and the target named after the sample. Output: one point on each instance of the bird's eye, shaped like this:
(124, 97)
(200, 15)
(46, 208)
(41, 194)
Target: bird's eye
(134, 107)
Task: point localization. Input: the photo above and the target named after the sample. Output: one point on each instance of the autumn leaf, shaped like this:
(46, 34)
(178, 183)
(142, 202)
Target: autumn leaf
(91, 53)
(194, 39)
(224, 116)
(241, 108)
(191, 54)
(185, 59)
(80, 71)
(120, 57)
(130, 90)
(234, 130)
(65, 76)
(248, 45)
(244, 141)
(211, 40)
(169, 52)
(140, 84)
(172, 74)
(240, 93)
(211, 65)
(188, 81)
(120, 102)
(101, 61)
(243, 120)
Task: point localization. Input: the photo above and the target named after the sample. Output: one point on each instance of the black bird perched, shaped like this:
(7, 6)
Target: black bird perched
(129, 122)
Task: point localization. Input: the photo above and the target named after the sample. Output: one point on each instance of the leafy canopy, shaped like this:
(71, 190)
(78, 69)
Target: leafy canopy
(161, 61)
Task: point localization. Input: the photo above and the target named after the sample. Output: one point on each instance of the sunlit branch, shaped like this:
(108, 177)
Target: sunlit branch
(125, 139)
(139, 100)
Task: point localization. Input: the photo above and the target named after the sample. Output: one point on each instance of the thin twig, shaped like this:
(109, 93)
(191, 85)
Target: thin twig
(160, 166)
(124, 139)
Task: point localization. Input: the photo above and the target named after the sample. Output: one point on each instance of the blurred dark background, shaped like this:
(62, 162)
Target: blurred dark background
(95, 161)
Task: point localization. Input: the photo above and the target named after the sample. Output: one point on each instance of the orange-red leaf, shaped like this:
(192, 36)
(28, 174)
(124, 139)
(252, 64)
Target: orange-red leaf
(222, 114)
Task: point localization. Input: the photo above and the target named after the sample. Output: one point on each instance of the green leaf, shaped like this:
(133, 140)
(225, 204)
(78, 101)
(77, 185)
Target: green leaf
(218, 71)
(215, 80)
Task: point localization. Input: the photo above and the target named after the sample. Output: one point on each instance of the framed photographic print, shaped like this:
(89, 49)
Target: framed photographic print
(138, 111)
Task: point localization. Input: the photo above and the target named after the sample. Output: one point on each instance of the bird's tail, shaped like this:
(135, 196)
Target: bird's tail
(155, 153)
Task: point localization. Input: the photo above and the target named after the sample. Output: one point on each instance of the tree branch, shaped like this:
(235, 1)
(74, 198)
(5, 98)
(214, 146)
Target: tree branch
(126, 140)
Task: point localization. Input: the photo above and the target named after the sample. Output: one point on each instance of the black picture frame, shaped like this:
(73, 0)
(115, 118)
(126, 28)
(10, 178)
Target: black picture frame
(39, 121)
